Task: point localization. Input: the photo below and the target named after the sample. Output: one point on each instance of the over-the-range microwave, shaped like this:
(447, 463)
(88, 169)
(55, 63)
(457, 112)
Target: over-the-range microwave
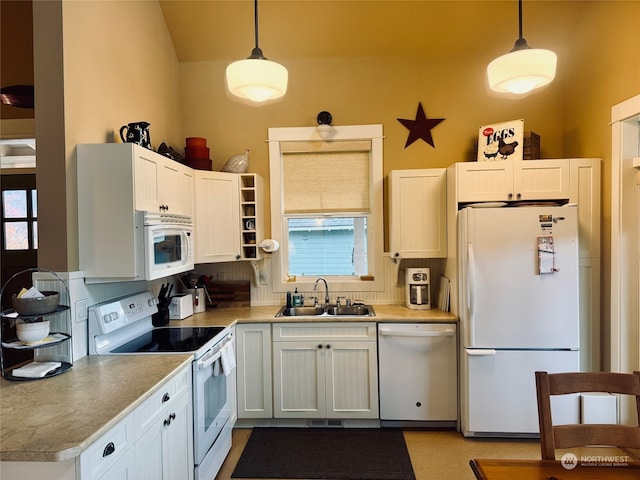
(147, 246)
(168, 245)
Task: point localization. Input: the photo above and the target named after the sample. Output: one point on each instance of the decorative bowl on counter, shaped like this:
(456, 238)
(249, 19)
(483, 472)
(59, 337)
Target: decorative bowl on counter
(32, 332)
(36, 306)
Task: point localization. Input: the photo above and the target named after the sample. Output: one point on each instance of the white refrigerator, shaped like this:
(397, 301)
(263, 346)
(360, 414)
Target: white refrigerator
(518, 280)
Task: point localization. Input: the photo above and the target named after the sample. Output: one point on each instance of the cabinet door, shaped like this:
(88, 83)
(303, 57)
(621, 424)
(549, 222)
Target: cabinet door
(187, 183)
(177, 440)
(585, 191)
(352, 380)
(148, 454)
(541, 180)
(165, 451)
(485, 181)
(217, 224)
(418, 213)
(253, 346)
(170, 186)
(299, 380)
(147, 171)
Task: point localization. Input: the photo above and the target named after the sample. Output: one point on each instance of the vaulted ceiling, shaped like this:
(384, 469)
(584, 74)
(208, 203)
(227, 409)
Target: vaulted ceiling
(218, 30)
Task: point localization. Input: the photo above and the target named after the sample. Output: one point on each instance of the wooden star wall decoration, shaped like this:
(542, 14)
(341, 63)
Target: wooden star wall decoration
(420, 128)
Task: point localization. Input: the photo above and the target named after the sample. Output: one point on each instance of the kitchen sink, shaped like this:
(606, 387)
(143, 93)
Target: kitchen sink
(352, 310)
(300, 311)
(328, 311)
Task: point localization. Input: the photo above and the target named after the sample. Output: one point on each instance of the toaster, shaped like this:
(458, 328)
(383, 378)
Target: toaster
(181, 306)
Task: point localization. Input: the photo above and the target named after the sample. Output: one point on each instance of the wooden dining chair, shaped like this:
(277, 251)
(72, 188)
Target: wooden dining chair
(580, 435)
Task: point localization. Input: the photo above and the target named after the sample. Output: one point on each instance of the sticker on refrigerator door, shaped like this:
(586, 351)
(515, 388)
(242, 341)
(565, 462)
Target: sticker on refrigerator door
(546, 255)
(546, 223)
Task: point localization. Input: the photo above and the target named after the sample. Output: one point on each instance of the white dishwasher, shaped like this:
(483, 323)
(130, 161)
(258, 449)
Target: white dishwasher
(418, 375)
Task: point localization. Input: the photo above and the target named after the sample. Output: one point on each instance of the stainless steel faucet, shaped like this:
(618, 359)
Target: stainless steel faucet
(326, 289)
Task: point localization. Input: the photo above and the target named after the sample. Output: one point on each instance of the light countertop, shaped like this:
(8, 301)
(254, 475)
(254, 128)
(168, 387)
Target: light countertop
(55, 419)
(266, 314)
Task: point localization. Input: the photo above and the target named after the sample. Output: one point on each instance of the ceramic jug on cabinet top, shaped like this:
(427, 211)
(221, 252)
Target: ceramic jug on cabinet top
(137, 132)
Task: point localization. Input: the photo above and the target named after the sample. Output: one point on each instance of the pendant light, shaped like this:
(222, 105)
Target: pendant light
(256, 80)
(522, 69)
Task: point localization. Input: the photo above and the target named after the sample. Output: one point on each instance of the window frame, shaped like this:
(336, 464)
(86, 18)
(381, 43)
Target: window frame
(375, 219)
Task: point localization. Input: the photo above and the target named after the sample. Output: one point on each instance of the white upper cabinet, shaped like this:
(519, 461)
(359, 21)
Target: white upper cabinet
(418, 213)
(217, 220)
(161, 185)
(507, 180)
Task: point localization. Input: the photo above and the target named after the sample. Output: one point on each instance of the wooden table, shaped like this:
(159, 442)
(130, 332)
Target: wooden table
(553, 470)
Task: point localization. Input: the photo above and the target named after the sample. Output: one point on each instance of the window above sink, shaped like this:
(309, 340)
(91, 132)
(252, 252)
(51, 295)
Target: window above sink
(326, 207)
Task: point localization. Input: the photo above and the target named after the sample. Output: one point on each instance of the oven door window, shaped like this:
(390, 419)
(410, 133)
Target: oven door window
(167, 248)
(212, 408)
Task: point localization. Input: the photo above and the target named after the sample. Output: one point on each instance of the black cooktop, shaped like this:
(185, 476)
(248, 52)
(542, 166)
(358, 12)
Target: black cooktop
(170, 339)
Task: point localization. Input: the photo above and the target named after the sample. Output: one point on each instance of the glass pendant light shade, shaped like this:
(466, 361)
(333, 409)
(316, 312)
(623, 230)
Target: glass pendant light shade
(257, 79)
(521, 71)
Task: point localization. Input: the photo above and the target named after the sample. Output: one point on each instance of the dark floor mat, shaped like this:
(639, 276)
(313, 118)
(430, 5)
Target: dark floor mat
(325, 453)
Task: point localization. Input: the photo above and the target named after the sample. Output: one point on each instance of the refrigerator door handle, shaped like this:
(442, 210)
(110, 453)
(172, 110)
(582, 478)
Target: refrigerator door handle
(471, 280)
(477, 352)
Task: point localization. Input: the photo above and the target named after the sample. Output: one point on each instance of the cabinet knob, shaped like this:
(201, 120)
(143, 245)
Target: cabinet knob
(238, 257)
(320, 345)
(519, 196)
(328, 346)
(165, 398)
(510, 195)
(109, 449)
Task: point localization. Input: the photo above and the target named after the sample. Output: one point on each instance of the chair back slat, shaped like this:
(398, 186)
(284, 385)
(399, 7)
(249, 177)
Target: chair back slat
(567, 436)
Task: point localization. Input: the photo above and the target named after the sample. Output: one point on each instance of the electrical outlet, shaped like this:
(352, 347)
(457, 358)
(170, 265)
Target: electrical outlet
(264, 277)
(82, 310)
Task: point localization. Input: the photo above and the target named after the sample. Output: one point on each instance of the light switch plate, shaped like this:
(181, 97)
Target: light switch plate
(82, 310)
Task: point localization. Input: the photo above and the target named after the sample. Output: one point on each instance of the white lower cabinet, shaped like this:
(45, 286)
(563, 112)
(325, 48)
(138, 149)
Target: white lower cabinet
(164, 438)
(254, 380)
(153, 442)
(161, 452)
(326, 370)
(110, 457)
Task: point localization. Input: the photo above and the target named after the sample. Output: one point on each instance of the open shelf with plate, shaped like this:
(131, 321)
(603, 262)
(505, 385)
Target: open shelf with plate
(45, 358)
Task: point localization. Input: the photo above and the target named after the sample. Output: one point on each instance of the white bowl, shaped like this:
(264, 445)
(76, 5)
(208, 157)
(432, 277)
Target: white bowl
(32, 332)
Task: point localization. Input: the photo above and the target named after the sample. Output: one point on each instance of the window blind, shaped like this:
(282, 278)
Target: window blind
(326, 177)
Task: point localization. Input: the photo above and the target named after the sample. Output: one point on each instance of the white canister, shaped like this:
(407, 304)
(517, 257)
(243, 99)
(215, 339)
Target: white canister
(199, 301)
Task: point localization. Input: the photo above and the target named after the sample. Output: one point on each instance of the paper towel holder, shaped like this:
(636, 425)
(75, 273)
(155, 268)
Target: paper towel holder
(269, 245)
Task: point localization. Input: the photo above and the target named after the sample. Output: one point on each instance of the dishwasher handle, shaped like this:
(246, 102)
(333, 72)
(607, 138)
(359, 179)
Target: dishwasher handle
(449, 332)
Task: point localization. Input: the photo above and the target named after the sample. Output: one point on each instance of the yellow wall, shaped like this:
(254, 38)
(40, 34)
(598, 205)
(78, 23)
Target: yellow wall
(365, 91)
(114, 64)
(604, 72)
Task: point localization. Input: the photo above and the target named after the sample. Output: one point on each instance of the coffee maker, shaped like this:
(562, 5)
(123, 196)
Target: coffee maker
(418, 289)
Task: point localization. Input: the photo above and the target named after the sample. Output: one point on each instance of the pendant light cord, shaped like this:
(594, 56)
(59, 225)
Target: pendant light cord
(519, 21)
(521, 43)
(256, 53)
(255, 16)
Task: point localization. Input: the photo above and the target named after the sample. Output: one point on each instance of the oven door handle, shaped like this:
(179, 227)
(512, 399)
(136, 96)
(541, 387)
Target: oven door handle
(209, 361)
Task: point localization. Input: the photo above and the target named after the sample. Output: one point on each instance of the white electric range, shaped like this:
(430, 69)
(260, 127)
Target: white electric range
(124, 327)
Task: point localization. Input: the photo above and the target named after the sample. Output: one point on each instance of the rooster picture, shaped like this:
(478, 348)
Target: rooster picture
(506, 149)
